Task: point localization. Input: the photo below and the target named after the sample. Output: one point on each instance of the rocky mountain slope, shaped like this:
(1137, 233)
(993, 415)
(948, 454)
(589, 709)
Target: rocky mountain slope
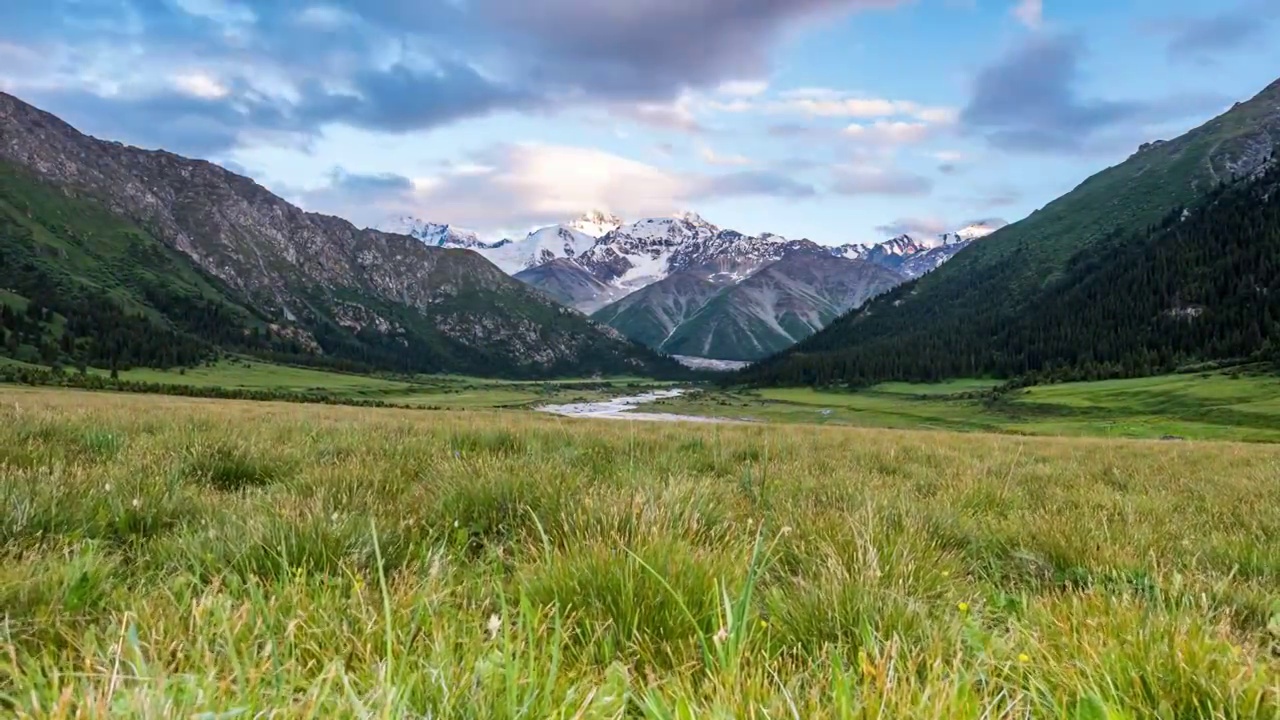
(958, 319)
(569, 284)
(332, 290)
(691, 314)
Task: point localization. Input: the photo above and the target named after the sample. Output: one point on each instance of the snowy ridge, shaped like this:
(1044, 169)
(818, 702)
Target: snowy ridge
(437, 234)
(623, 258)
(539, 247)
(596, 223)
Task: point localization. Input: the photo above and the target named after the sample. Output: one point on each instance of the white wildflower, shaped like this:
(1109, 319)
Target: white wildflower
(495, 625)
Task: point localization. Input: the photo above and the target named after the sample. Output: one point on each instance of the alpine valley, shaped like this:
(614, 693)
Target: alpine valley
(688, 288)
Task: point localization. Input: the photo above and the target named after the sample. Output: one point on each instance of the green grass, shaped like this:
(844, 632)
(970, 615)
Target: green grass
(171, 557)
(13, 300)
(437, 391)
(1209, 406)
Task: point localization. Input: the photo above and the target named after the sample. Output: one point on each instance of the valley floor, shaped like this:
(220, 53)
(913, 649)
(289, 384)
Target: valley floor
(1216, 406)
(177, 557)
(1236, 405)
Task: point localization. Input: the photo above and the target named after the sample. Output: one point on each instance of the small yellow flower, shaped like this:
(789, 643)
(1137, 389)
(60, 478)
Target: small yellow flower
(764, 623)
(1024, 658)
(946, 573)
(963, 607)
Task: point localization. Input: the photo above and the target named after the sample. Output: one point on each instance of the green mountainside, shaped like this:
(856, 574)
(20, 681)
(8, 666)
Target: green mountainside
(116, 256)
(996, 307)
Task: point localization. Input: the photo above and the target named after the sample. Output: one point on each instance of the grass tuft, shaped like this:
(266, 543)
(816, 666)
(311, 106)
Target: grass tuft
(229, 467)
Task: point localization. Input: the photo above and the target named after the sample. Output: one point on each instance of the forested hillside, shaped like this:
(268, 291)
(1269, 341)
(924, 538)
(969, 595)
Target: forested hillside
(1201, 285)
(995, 307)
(79, 285)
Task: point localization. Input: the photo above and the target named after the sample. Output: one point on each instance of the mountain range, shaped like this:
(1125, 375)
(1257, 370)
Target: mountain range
(654, 280)
(116, 256)
(1168, 260)
(132, 256)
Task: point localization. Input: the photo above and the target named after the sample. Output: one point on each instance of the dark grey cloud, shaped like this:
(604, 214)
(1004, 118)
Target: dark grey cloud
(400, 99)
(167, 119)
(650, 48)
(395, 100)
(368, 185)
(391, 65)
(1202, 39)
(1028, 99)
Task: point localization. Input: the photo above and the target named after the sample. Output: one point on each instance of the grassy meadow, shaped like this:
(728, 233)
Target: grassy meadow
(1209, 406)
(174, 557)
(426, 391)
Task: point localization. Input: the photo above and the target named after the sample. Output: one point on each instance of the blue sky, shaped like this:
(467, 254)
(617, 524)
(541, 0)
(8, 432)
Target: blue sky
(837, 120)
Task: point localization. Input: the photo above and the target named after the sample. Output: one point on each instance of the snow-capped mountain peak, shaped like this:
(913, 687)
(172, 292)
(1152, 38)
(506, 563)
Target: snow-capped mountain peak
(437, 234)
(596, 223)
(538, 247)
(979, 229)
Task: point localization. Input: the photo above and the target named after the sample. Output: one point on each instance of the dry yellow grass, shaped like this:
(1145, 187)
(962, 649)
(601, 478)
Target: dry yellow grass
(166, 557)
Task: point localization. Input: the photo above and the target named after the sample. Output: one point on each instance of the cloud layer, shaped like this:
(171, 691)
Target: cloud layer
(1029, 100)
(385, 65)
(516, 186)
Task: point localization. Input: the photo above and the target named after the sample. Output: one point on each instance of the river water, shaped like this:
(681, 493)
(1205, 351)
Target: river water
(623, 408)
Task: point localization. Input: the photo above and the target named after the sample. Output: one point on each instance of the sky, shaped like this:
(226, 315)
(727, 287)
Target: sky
(835, 120)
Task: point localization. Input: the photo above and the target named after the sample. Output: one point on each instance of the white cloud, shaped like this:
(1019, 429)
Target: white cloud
(849, 107)
(200, 84)
(528, 184)
(883, 132)
(676, 115)
(737, 105)
(743, 88)
(327, 17)
(511, 188)
(828, 102)
(1030, 13)
(918, 227)
(231, 15)
(710, 157)
(949, 156)
(938, 115)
